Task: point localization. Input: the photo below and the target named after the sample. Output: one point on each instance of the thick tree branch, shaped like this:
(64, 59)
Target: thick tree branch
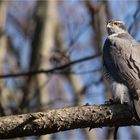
(30, 73)
(65, 119)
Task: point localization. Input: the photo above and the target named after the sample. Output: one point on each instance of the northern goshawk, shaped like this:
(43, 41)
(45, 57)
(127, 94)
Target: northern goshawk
(121, 60)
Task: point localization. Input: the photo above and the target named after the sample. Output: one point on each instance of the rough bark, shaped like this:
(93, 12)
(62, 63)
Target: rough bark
(57, 120)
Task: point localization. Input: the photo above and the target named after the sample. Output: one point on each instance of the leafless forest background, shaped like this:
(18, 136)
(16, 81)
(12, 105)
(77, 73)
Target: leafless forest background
(51, 45)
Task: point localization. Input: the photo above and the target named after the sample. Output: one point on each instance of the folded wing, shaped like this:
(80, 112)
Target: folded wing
(122, 59)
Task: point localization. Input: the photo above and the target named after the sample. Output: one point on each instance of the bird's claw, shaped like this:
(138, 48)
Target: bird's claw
(110, 102)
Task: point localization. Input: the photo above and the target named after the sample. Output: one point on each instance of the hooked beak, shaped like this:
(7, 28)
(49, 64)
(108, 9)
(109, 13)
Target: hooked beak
(108, 26)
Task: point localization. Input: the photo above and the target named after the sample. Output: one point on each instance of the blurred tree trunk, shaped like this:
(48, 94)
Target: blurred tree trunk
(46, 45)
(52, 39)
(42, 45)
(3, 51)
(76, 86)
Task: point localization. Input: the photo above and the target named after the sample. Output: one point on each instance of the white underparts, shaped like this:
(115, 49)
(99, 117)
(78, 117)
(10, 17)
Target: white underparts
(120, 92)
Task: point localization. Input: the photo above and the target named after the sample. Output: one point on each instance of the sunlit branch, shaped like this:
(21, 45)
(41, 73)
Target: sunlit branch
(57, 120)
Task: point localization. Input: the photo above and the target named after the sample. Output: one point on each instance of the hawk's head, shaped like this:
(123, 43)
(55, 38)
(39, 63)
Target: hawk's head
(116, 26)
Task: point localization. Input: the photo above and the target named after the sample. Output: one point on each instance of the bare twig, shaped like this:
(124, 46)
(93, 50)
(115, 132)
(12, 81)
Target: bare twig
(42, 71)
(135, 17)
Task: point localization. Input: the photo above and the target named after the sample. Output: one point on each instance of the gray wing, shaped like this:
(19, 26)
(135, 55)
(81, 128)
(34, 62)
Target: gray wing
(122, 59)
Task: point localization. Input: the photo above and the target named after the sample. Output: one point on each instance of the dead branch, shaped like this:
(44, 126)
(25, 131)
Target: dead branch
(57, 120)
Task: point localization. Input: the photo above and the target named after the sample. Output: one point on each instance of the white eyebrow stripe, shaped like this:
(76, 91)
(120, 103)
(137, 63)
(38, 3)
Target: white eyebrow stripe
(119, 21)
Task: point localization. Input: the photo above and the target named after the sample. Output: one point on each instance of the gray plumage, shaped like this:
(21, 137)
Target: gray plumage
(121, 58)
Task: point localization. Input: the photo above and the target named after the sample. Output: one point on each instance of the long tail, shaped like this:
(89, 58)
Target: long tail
(136, 109)
(115, 132)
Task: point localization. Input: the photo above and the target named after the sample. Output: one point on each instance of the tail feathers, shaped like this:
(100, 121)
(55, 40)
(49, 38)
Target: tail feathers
(136, 109)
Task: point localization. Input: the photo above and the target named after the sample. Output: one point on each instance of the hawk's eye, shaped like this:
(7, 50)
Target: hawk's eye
(115, 23)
